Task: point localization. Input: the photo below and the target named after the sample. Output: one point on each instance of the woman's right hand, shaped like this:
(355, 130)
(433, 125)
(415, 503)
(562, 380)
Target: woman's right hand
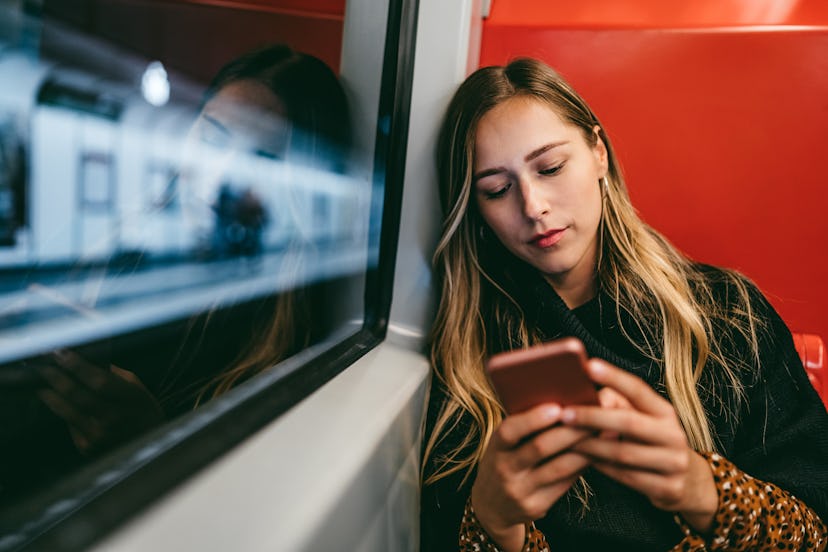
(102, 407)
(526, 468)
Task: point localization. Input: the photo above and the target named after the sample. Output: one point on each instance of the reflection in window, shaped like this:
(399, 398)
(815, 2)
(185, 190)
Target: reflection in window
(162, 187)
(156, 254)
(97, 182)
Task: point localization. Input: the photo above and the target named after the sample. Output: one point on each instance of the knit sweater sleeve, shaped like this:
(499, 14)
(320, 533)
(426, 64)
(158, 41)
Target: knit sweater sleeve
(782, 435)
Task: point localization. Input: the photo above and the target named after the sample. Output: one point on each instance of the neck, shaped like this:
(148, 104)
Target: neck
(574, 291)
(578, 285)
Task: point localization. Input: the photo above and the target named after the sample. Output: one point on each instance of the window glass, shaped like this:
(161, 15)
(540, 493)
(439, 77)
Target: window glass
(182, 207)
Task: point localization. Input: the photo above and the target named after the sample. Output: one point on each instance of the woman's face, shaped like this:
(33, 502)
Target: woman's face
(537, 186)
(238, 133)
(245, 116)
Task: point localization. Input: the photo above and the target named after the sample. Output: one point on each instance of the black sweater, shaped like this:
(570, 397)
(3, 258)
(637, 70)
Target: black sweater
(779, 434)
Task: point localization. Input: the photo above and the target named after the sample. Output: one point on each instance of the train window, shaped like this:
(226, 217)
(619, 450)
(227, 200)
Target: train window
(197, 205)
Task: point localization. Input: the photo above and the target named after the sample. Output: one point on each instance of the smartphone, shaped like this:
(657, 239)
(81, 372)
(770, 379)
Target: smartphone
(552, 372)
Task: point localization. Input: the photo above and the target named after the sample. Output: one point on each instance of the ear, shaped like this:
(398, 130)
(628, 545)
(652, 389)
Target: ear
(599, 149)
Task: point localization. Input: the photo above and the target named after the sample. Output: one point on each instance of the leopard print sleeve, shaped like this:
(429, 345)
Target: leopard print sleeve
(754, 515)
(473, 537)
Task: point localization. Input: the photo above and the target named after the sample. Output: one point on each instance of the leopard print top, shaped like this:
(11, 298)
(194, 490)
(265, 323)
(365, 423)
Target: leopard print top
(473, 537)
(752, 515)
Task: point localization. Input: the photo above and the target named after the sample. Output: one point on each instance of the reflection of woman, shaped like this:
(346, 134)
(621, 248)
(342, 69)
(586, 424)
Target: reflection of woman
(272, 103)
(701, 385)
(309, 125)
(269, 104)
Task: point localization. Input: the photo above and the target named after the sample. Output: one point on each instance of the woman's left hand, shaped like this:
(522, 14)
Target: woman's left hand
(644, 447)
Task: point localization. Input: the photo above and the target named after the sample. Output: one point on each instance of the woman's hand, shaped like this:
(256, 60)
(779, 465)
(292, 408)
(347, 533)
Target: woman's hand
(103, 408)
(644, 447)
(526, 468)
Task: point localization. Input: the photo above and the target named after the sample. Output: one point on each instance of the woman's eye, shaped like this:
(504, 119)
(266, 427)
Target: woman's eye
(215, 138)
(267, 154)
(551, 170)
(498, 193)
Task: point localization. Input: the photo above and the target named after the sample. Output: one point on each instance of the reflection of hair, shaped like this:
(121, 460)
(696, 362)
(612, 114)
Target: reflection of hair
(662, 290)
(287, 332)
(316, 103)
(313, 97)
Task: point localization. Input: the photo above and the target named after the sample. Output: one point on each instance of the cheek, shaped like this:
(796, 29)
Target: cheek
(483, 209)
(588, 202)
(496, 215)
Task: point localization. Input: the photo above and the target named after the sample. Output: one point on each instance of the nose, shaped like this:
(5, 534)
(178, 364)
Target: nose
(535, 205)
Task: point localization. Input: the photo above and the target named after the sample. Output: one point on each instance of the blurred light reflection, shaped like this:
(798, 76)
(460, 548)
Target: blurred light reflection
(154, 84)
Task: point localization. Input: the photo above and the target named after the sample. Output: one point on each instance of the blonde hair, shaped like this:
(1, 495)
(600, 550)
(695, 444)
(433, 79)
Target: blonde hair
(663, 291)
(287, 331)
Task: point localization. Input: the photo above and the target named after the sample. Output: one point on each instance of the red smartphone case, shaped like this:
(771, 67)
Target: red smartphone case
(552, 372)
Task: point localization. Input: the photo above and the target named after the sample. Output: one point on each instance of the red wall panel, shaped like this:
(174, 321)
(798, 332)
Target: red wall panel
(658, 14)
(197, 37)
(720, 129)
(316, 8)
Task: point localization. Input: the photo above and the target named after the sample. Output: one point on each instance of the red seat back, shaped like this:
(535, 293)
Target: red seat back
(811, 350)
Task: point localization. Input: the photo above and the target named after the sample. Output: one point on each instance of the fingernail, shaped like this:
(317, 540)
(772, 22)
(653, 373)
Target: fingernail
(596, 368)
(568, 415)
(552, 412)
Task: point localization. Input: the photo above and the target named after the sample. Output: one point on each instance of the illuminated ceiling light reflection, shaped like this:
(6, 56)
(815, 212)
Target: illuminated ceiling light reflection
(154, 84)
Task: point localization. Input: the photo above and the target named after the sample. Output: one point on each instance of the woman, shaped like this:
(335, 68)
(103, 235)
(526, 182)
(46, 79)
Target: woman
(701, 385)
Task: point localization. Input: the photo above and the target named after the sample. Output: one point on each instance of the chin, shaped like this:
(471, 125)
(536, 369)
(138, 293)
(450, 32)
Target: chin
(552, 270)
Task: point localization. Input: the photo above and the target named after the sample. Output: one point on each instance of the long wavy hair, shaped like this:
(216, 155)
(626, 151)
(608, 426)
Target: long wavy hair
(665, 293)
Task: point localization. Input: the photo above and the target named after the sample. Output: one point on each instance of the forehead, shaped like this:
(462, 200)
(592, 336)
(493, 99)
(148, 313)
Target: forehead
(517, 124)
(522, 104)
(248, 108)
(246, 93)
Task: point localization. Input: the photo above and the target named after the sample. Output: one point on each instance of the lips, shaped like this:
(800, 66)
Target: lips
(548, 239)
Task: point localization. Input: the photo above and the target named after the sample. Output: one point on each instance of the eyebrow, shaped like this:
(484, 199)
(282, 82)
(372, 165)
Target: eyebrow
(534, 154)
(215, 122)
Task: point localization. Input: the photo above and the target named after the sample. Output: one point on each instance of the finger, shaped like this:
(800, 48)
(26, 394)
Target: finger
(610, 398)
(564, 467)
(629, 423)
(82, 442)
(70, 390)
(66, 410)
(633, 455)
(89, 374)
(57, 379)
(126, 375)
(546, 444)
(557, 490)
(517, 427)
(640, 395)
(129, 383)
(538, 503)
